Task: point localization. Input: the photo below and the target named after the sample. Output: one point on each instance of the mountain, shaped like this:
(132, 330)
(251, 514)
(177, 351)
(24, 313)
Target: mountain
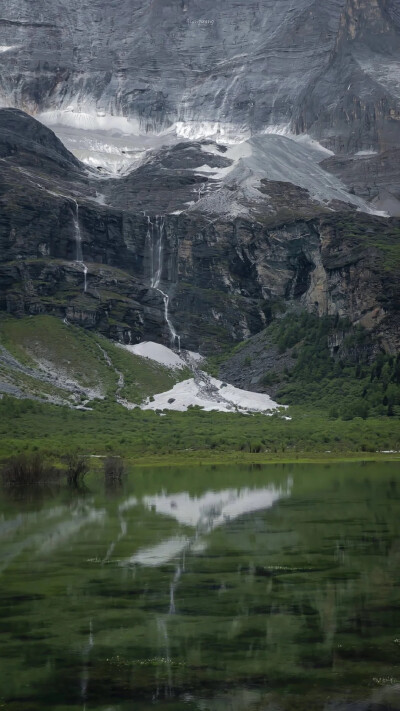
(247, 65)
(211, 168)
(90, 248)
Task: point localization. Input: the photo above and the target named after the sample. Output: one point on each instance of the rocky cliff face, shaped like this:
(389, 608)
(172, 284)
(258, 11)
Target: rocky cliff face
(354, 102)
(328, 68)
(91, 250)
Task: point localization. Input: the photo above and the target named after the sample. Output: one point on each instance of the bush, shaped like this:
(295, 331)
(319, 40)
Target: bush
(23, 471)
(77, 467)
(113, 470)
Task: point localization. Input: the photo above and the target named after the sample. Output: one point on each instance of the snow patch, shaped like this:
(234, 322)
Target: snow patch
(98, 121)
(159, 554)
(210, 394)
(204, 513)
(156, 352)
(220, 132)
(8, 48)
(276, 156)
(366, 153)
(194, 357)
(304, 138)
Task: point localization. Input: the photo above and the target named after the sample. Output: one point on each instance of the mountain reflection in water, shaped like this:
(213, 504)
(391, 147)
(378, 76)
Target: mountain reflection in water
(249, 588)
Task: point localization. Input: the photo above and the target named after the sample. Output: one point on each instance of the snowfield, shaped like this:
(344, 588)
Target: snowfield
(157, 352)
(210, 394)
(200, 391)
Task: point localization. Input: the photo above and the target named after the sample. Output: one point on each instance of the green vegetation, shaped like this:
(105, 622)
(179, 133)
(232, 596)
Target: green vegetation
(364, 231)
(337, 406)
(67, 349)
(345, 386)
(31, 426)
(85, 358)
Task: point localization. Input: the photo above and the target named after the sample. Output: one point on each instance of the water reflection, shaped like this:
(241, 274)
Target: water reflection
(241, 590)
(161, 553)
(215, 508)
(204, 514)
(71, 519)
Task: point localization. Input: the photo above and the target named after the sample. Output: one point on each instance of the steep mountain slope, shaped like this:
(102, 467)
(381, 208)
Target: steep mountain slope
(52, 361)
(119, 78)
(112, 255)
(242, 65)
(213, 167)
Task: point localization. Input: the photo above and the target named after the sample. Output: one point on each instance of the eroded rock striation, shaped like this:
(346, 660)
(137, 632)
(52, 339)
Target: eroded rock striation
(329, 68)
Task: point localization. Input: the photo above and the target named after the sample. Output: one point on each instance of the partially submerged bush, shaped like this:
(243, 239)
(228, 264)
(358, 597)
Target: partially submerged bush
(29, 477)
(77, 467)
(24, 470)
(113, 470)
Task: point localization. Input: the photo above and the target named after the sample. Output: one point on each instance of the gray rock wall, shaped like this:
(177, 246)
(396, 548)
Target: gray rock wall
(326, 67)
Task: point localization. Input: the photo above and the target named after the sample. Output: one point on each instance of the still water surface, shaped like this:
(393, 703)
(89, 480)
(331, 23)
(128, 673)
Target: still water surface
(269, 588)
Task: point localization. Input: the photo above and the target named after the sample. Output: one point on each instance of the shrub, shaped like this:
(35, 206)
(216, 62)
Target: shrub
(77, 467)
(23, 470)
(113, 470)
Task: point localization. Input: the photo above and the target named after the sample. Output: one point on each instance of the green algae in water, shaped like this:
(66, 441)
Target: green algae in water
(248, 587)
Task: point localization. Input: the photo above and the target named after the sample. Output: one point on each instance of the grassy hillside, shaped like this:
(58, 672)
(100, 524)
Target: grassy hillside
(336, 407)
(79, 366)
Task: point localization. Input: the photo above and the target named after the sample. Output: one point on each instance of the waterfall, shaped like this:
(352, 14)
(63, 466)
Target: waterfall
(174, 336)
(157, 271)
(78, 242)
(156, 264)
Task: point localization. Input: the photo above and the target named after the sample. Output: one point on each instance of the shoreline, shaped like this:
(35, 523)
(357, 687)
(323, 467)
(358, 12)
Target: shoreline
(201, 458)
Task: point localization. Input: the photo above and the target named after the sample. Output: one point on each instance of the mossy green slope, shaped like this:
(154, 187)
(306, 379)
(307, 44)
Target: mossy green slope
(96, 366)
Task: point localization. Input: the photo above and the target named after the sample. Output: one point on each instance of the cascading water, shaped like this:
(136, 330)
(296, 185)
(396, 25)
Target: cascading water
(156, 264)
(78, 242)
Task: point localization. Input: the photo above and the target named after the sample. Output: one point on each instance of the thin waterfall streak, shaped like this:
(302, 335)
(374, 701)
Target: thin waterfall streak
(123, 530)
(174, 335)
(85, 670)
(150, 246)
(91, 639)
(157, 275)
(78, 244)
(156, 262)
(78, 237)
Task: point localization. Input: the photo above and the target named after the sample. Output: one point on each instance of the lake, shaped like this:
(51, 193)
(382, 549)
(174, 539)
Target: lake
(242, 588)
